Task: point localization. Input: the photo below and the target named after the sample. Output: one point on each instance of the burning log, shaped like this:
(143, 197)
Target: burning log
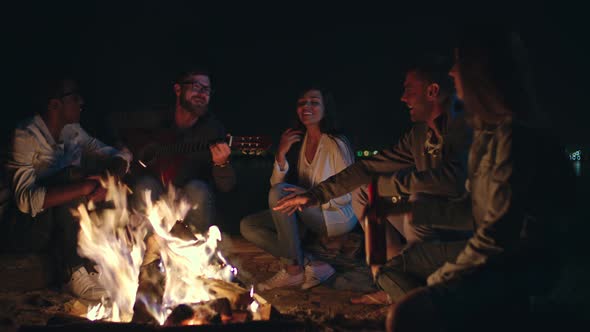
(149, 293)
(171, 276)
(216, 311)
(229, 301)
(232, 302)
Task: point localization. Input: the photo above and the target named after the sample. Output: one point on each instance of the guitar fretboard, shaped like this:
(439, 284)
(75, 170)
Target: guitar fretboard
(243, 143)
(178, 148)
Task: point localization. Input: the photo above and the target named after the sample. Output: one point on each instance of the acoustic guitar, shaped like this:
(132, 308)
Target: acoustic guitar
(160, 154)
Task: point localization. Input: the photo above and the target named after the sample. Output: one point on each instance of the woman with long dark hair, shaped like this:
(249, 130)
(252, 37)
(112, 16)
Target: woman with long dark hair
(514, 163)
(307, 154)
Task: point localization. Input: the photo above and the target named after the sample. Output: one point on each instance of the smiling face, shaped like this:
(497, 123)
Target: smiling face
(415, 97)
(310, 108)
(193, 93)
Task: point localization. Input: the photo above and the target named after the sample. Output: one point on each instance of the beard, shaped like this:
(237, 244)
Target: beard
(194, 105)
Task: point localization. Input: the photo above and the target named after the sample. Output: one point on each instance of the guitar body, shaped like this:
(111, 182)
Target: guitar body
(159, 154)
(162, 154)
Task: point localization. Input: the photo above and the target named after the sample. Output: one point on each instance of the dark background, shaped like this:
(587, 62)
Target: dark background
(127, 54)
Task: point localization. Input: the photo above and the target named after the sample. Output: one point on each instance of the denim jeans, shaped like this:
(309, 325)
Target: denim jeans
(280, 234)
(53, 232)
(398, 223)
(404, 230)
(197, 193)
(411, 268)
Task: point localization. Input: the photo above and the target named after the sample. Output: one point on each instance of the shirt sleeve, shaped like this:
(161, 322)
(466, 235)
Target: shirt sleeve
(362, 171)
(29, 197)
(446, 180)
(91, 146)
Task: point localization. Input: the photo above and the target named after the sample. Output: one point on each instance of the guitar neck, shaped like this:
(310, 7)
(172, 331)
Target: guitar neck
(246, 144)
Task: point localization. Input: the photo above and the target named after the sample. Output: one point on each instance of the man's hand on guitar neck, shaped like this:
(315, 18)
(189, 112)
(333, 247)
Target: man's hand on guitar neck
(220, 153)
(295, 202)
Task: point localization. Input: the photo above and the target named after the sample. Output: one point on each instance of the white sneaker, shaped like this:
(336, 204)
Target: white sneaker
(281, 279)
(317, 272)
(86, 285)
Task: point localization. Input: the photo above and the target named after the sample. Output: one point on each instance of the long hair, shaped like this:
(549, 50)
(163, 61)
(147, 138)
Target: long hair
(495, 75)
(328, 124)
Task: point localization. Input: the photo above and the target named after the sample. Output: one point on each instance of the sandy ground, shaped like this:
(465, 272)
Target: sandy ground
(325, 307)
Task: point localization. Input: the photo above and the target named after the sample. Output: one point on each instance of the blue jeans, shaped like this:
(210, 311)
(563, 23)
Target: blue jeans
(280, 234)
(411, 268)
(197, 193)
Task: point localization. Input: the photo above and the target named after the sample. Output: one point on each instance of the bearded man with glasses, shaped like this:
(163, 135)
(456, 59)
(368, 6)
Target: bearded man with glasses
(202, 166)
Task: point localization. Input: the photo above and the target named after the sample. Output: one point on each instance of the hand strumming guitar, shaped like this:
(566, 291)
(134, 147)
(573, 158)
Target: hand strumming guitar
(295, 202)
(220, 153)
(288, 138)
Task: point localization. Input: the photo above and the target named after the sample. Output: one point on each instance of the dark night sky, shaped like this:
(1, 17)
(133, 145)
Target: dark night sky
(126, 56)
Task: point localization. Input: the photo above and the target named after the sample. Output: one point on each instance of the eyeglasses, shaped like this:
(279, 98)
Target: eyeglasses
(197, 86)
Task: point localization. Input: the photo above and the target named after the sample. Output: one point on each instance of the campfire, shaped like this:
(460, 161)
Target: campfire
(157, 270)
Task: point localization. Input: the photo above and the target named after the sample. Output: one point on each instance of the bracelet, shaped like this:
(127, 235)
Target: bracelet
(225, 164)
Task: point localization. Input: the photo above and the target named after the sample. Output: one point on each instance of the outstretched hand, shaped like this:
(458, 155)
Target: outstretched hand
(296, 201)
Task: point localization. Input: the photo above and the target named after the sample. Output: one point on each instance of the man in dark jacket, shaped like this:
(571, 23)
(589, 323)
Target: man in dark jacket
(206, 165)
(427, 167)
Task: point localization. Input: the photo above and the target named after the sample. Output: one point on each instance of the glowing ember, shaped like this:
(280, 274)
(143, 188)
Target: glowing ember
(116, 244)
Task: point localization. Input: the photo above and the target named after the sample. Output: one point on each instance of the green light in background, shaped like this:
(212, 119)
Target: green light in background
(359, 153)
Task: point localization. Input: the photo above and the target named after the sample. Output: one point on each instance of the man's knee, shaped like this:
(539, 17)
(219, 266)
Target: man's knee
(277, 192)
(198, 192)
(247, 227)
(395, 280)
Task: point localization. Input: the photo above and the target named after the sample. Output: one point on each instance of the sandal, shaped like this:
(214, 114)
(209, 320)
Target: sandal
(379, 297)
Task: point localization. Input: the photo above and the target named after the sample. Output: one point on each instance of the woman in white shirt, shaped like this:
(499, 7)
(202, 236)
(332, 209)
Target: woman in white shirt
(321, 155)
